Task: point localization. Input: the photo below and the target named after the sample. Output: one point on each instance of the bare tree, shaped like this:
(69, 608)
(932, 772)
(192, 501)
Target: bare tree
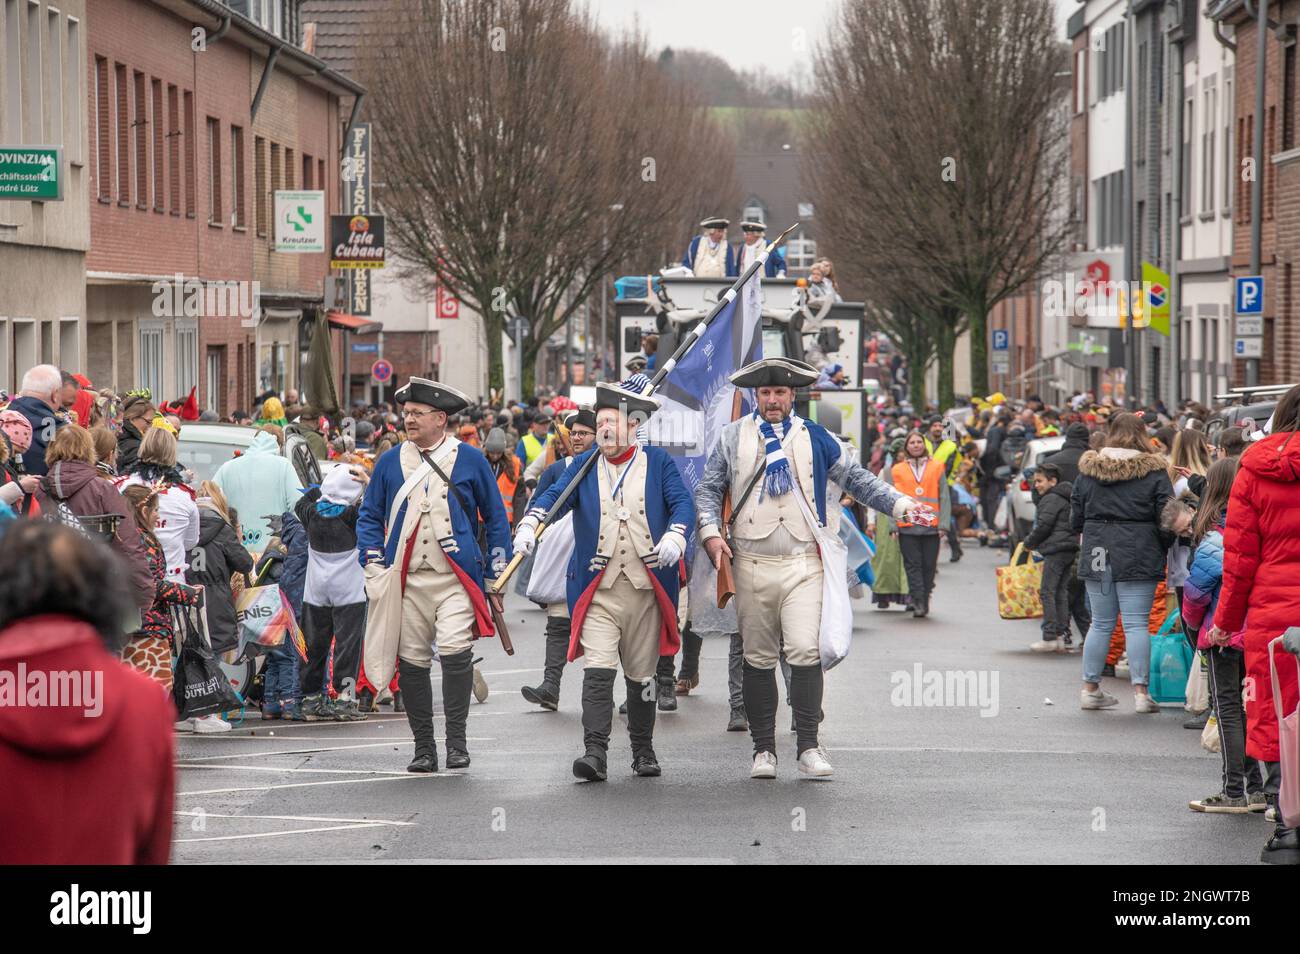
(935, 152)
(525, 155)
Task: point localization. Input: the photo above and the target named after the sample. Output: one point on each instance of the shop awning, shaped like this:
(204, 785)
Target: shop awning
(354, 323)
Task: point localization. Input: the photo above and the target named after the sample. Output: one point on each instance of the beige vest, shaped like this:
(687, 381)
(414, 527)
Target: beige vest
(710, 263)
(756, 520)
(624, 543)
(428, 505)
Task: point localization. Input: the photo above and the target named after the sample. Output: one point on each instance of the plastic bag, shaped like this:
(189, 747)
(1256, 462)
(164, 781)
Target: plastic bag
(1197, 691)
(265, 619)
(1288, 745)
(1018, 588)
(1210, 740)
(1171, 661)
(548, 582)
(199, 687)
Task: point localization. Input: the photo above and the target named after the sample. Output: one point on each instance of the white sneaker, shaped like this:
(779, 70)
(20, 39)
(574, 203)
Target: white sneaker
(1144, 703)
(1096, 700)
(185, 725)
(1121, 665)
(764, 766)
(1047, 646)
(814, 764)
(210, 724)
(1270, 813)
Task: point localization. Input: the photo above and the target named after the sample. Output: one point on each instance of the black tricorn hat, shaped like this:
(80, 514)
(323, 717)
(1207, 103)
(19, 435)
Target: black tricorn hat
(629, 402)
(775, 372)
(584, 416)
(441, 397)
(715, 222)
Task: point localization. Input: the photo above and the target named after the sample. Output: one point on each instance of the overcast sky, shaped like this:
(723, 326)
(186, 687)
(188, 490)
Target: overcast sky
(746, 34)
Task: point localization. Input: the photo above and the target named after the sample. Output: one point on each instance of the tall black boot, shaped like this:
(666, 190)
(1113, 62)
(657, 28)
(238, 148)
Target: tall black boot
(666, 692)
(641, 728)
(597, 717)
(457, 685)
(417, 689)
(547, 695)
(806, 684)
(689, 676)
(759, 689)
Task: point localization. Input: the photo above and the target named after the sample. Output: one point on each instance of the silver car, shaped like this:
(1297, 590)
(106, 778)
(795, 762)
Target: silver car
(1020, 492)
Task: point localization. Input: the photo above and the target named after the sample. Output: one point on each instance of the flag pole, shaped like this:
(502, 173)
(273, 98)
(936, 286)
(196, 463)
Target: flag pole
(661, 372)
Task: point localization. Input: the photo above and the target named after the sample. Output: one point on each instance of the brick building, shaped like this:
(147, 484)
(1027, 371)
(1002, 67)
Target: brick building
(199, 112)
(43, 242)
(1280, 171)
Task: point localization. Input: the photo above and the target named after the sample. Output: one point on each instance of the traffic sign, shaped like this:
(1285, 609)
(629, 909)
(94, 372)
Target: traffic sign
(1250, 294)
(1250, 327)
(1001, 362)
(381, 371)
(364, 347)
(1001, 339)
(1249, 348)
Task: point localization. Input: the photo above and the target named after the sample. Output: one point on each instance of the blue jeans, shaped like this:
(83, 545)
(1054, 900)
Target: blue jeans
(280, 678)
(1109, 600)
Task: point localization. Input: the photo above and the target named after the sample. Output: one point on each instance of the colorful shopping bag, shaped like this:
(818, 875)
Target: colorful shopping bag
(1018, 588)
(265, 619)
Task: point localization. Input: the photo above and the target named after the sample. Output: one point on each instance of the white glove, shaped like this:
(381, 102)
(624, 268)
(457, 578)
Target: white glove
(670, 549)
(526, 536)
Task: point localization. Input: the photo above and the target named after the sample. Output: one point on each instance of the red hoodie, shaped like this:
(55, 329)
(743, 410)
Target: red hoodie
(1261, 577)
(80, 788)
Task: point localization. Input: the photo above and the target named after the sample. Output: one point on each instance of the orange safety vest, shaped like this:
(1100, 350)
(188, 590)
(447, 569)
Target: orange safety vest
(926, 491)
(507, 481)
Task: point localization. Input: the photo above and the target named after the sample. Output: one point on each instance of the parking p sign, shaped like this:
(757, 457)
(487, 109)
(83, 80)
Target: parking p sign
(1001, 339)
(1250, 294)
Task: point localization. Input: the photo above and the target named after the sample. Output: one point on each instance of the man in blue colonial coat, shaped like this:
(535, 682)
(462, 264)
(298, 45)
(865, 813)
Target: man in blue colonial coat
(632, 515)
(709, 255)
(417, 535)
(747, 251)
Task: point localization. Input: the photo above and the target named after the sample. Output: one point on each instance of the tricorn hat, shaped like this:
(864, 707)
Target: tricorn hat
(637, 362)
(715, 222)
(441, 397)
(585, 417)
(629, 402)
(775, 372)
(753, 225)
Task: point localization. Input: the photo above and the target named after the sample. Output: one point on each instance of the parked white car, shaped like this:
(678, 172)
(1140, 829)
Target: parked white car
(1020, 491)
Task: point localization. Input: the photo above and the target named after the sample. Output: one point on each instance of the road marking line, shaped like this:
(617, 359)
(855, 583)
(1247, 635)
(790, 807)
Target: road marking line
(355, 821)
(948, 748)
(278, 834)
(271, 768)
(512, 672)
(418, 776)
(323, 748)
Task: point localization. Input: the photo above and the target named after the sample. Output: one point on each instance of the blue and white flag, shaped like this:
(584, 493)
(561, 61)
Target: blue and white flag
(695, 405)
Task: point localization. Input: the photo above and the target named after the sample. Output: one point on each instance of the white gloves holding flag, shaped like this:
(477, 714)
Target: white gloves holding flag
(670, 548)
(526, 536)
(915, 512)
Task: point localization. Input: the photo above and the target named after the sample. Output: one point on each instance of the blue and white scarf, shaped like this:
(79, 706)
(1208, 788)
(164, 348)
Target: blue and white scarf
(778, 479)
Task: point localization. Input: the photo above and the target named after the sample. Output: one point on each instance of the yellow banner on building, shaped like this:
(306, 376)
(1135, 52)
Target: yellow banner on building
(1150, 301)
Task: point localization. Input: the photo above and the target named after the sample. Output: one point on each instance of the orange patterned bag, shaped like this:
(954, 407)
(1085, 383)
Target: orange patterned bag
(1018, 586)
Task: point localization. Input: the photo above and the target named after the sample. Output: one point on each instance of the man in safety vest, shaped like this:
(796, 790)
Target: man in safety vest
(943, 449)
(506, 469)
(535, 439)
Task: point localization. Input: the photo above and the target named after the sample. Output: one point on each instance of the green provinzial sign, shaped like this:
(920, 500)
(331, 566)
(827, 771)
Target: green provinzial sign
(32, 173)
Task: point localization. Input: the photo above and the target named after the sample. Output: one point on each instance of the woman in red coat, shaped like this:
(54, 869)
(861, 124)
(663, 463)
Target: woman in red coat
(1261, 591)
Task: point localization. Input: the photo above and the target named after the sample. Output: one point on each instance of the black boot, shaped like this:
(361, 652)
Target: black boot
(689, 677)
(366, 701)
(641, 728)
(806, 684)
(419, 713)
(597, 717)
(759, 689)
(1283, 847)
(547, 695)
(666, 683)
(457, 685)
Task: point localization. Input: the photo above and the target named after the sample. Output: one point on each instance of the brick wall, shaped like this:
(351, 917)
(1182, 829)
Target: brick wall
(165, 230)
(1280, 233)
